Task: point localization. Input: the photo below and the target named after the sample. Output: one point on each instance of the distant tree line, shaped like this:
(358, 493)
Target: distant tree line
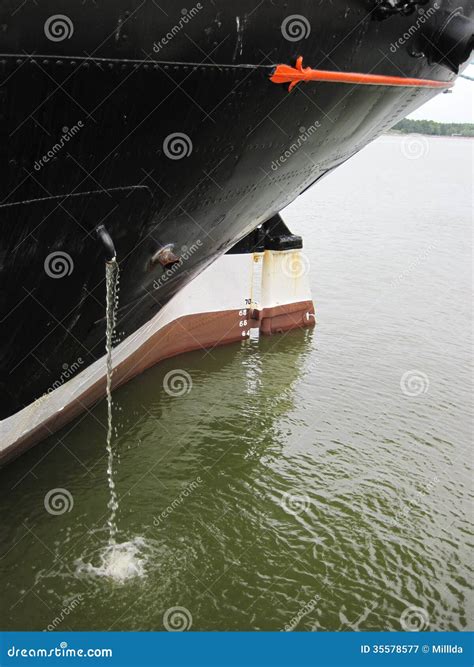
(408, 126)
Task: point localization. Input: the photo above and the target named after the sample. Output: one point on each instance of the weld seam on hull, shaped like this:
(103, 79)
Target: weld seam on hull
(132, 61)
(66, 195)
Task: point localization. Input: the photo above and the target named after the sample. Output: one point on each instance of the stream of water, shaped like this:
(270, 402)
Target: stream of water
(116, 560)
(111, 280)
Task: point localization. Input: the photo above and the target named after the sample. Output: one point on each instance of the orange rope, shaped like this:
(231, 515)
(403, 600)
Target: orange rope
(293, 75)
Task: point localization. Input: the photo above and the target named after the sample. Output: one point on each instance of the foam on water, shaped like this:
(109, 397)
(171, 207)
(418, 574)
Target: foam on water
(117, 561)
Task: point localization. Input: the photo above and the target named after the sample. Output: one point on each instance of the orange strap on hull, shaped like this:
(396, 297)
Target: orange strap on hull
(293, 76)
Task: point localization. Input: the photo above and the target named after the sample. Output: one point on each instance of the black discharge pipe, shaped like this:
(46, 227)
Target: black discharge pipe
(449, 39)
(107, 243)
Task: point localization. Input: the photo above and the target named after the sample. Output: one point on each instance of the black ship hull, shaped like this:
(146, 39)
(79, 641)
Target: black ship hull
(164, 126)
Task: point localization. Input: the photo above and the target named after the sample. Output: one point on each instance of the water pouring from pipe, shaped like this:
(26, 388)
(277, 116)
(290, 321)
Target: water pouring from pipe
(118, 561)
(112, 278)
(111, 282)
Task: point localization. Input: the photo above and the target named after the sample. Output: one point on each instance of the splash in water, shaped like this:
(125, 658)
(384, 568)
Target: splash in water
(112, 277)
(119, 562)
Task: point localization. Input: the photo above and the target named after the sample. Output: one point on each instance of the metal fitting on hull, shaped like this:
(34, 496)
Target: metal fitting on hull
(386, 8)
(449, 39)
(164, 256)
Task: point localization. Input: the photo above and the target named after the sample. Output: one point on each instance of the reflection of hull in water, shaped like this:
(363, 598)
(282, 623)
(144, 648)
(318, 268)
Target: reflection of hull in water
(248, 148)
(261, 286)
